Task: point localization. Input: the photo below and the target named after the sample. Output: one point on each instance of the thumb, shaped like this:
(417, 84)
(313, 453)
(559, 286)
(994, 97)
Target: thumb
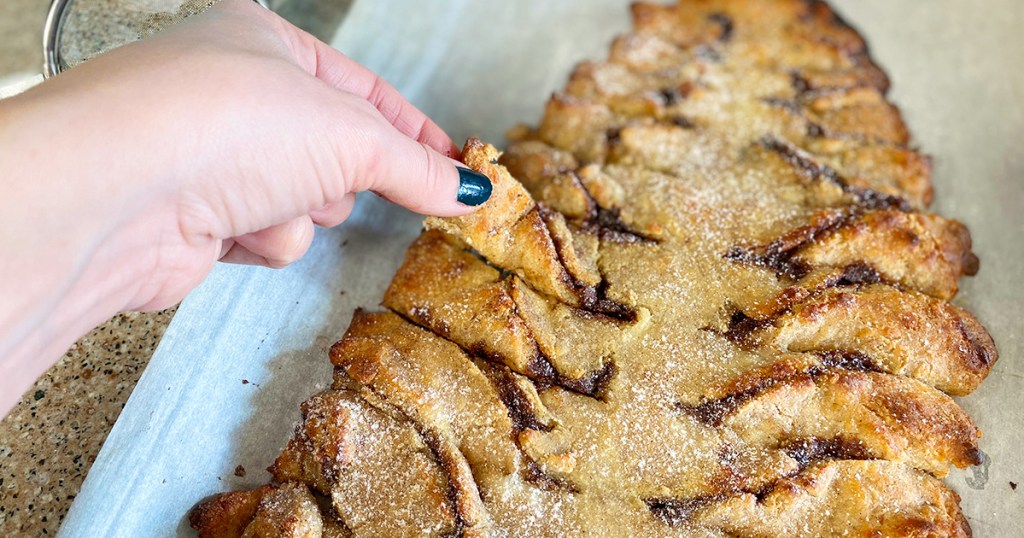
(414, 175)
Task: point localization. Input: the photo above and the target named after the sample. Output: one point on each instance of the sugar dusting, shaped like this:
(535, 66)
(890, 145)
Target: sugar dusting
(674, 120)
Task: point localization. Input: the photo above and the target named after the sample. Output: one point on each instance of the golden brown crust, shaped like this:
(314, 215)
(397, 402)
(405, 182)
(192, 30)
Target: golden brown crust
(902, 332)
(339, 449)
(285, 511)
(226, 515)
(518, 235)
(926, 253)
(891, 418)
(711, 305)
(845, 498)
(447, 289)
(514, 233)
(549, 174)
(921, 252)
(288, 511)
(421, 376)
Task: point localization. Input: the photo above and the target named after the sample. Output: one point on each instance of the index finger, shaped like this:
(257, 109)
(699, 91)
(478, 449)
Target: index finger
(346, 74)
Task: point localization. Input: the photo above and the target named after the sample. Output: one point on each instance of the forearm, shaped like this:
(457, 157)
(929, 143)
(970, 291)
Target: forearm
(122, 181)
(67, 234)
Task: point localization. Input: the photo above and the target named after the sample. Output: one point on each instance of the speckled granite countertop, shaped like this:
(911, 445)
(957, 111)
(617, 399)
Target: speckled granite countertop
(50, 439)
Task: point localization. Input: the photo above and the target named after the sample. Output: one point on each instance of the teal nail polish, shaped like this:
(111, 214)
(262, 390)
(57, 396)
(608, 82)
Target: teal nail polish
(474, 187)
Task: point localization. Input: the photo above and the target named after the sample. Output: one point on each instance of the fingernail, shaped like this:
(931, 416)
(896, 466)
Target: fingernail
(474, 187)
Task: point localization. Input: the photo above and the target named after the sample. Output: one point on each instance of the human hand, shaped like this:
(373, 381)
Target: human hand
(226, 137)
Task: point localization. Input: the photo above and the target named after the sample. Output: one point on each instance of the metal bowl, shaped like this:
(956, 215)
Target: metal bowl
(149, 18)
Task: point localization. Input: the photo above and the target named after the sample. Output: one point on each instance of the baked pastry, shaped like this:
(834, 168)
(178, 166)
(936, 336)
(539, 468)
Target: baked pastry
(705, 299)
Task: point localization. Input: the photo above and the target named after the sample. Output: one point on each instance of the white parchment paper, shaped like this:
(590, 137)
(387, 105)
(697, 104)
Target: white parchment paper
(249, 345)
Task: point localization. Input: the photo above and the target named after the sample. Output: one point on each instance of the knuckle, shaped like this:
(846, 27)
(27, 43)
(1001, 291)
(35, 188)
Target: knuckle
(420, 131)
(386, 100)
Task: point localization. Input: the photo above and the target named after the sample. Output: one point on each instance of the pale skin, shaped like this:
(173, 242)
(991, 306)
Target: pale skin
(227, 137)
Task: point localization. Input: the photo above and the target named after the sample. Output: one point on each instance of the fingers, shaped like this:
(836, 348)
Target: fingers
(343, 73)
(225, 247)
(283, 244)
(347, 131)
(239, 255)
(274, 247)
(334, 214)
(347, 75)
(416, 176)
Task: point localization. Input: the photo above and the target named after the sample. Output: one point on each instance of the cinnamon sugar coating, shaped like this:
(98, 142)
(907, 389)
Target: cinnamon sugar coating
(705, 299)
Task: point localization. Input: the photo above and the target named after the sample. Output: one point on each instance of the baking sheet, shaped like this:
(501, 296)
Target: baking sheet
(248, 346)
